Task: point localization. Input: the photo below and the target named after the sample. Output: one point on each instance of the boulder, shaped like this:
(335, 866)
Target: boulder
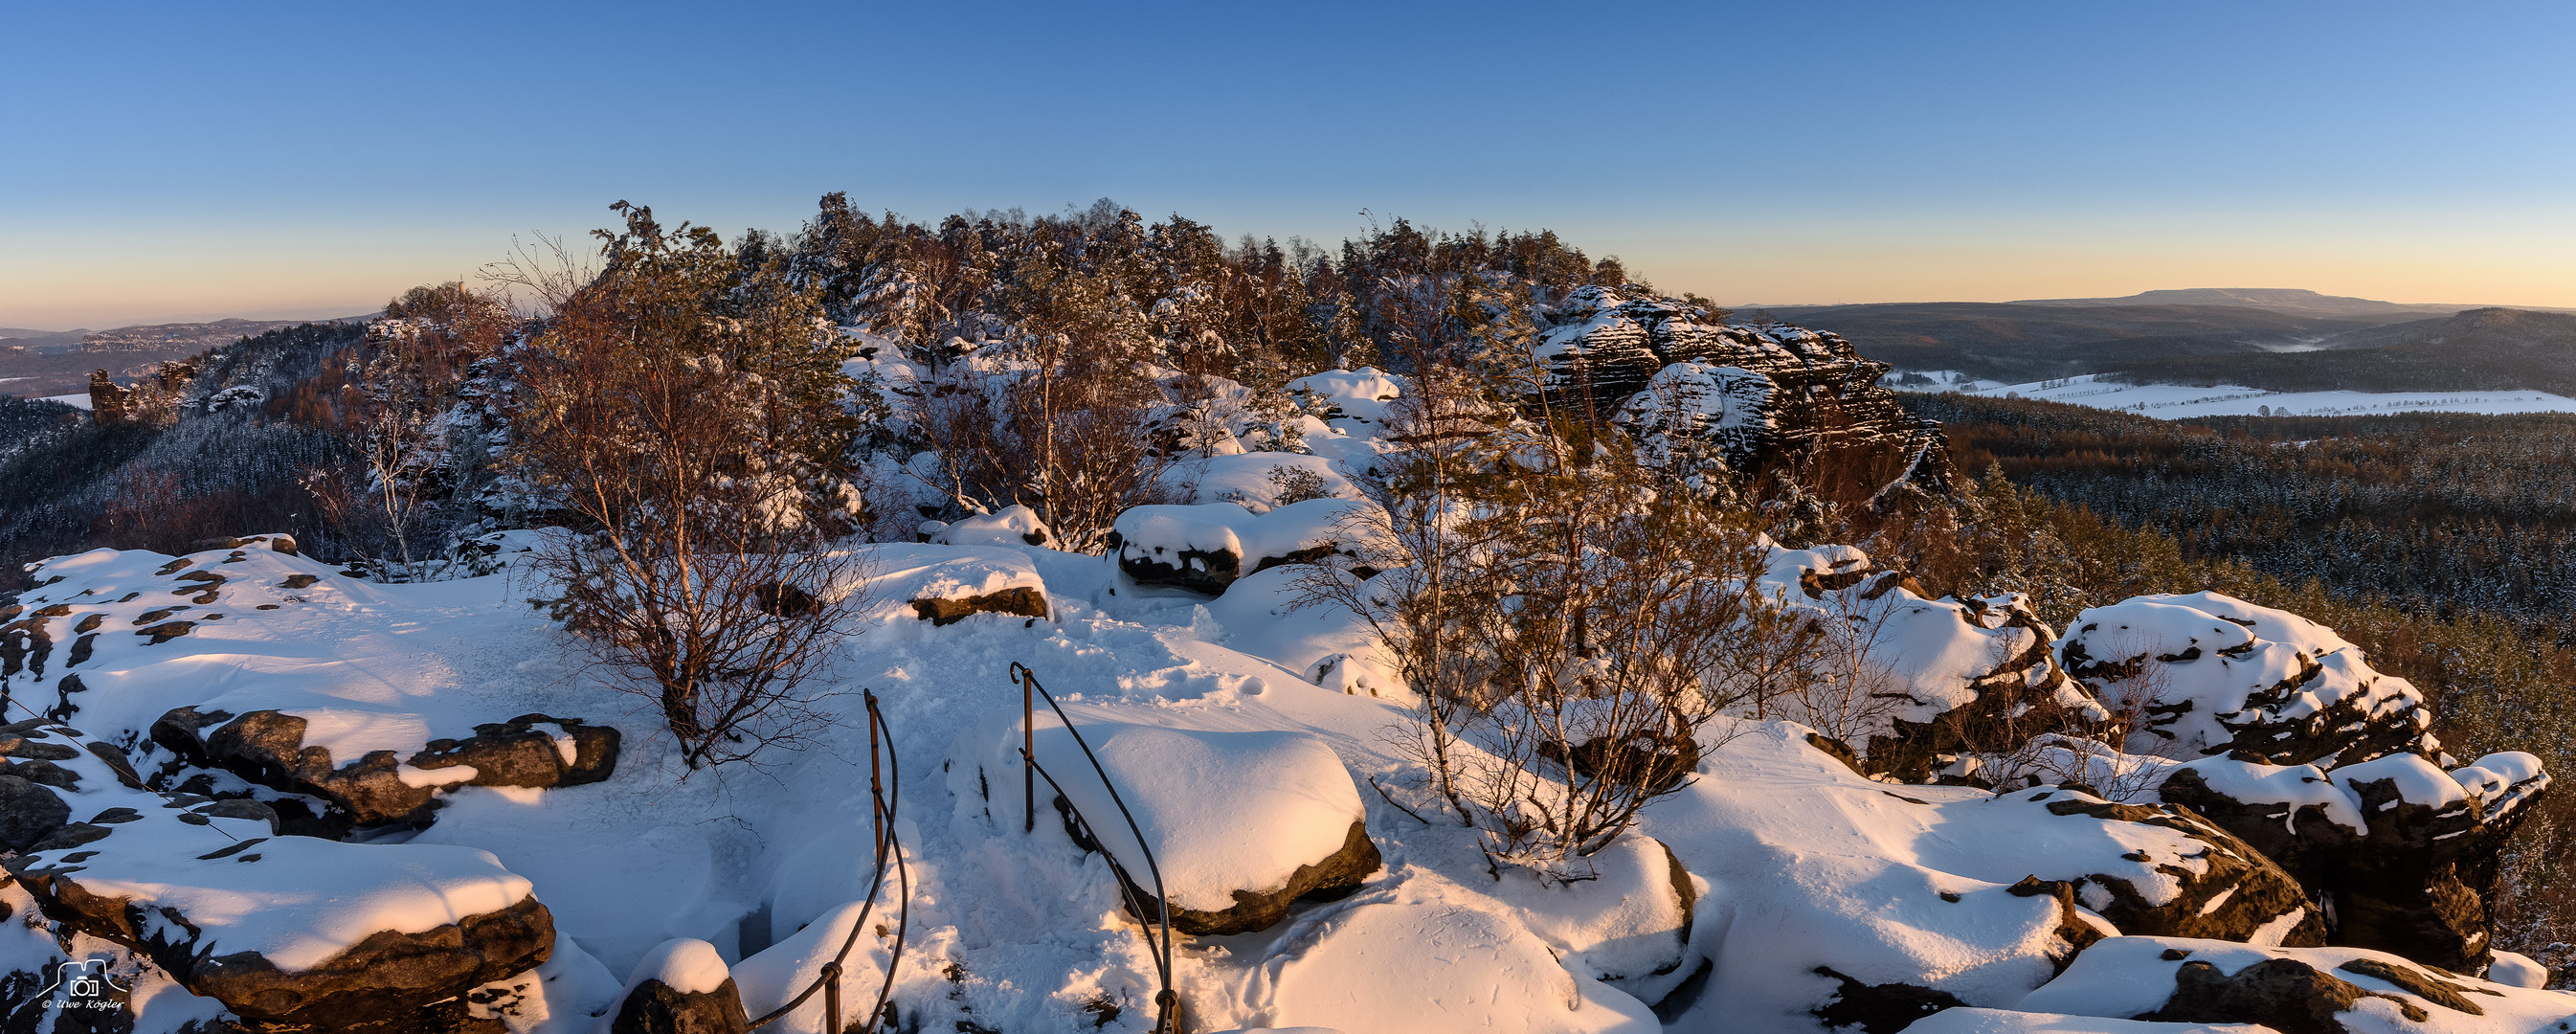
(681, 987)
(1240, 823)
(1205, 547)
(267, 747)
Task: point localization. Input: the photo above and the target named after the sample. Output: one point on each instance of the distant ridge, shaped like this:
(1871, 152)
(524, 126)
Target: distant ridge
(2273, 299)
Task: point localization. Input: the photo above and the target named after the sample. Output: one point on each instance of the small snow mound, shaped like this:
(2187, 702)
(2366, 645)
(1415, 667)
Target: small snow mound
(684, 964)
(1392, 967)
(2514, 970)
(1008, 526)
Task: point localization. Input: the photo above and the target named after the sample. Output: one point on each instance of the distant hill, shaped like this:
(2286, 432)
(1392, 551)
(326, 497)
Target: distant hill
(50, 365)
(2490, 349)
(2025, 341)
(2271, 299)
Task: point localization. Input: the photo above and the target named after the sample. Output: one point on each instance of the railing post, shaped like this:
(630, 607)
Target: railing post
(1028, 749)
(876, 790)
(832, 996)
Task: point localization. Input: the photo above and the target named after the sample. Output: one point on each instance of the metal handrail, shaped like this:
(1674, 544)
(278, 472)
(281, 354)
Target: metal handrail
(1167, 1002)
(884, 799)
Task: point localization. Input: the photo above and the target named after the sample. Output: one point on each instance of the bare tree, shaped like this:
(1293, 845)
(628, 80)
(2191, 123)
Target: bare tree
(686, 415)
(1571, 624)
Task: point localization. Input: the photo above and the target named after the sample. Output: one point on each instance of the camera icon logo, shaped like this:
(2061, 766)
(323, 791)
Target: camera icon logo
(85, 984)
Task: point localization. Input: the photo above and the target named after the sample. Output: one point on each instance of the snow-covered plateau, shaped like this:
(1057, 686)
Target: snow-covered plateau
(245, 790)
(2179, 402)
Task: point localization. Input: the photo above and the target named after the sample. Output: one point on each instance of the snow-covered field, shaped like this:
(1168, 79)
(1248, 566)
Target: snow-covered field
(2176, 402)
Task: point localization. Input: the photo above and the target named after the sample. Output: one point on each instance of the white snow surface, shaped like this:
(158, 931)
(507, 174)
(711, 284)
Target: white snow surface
(2130, 976)
(2179, 402)
(2000, 1021)
(1214, 707)
(685, 964)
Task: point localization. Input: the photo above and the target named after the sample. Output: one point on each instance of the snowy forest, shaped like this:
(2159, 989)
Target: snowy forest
(1074, 622)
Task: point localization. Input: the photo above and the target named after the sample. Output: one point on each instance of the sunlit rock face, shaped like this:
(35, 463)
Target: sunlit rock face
(1744, 399)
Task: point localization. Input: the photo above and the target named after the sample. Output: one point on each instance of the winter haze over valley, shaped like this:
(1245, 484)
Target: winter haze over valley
(1042, 519)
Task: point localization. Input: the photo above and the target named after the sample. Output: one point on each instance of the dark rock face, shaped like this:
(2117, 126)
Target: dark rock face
(28, 812)
(1745, 400)
(1645, 759)
(1026, 601)
(2284, 994)
(654, 1007)
(1879, 1008)
(516, 753)
(267, 747)
(2420, 883)
(1334, 876)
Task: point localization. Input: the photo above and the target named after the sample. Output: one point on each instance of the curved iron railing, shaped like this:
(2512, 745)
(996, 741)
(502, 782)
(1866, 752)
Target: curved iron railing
(1167, 1003)
(884, 796)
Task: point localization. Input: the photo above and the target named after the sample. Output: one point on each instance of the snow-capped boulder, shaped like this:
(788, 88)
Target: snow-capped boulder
(1428, 967)
(1919, 680)
(284, 930)
(1205, 547)
(1008, 526)
(1241, 822)
(1627, 925)
(2212, 674)
(946, 584)
(2291, 990)
(682, 987)
(268, 747)
(1836, 898)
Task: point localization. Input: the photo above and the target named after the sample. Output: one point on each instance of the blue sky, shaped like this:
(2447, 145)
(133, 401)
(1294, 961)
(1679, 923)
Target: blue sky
(275, 159)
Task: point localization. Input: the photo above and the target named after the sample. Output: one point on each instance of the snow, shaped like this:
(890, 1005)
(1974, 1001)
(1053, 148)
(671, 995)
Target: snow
(2417, 781)
(1223, 810)
(1393, 967)
(1239, 729)
(686, 964)
(1163, 533)
(2514, 970)
(2130, 976)
(1009, 526)
(1998, 1021)
(2181, 402)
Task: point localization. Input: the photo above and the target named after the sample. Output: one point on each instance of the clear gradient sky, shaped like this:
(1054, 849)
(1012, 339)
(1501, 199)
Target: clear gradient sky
(193, 160)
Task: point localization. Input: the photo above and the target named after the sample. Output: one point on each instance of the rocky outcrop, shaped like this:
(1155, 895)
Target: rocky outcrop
(2212, 674)
(2405, 852)
(290, 933)
(1740, 400)
(267, 747)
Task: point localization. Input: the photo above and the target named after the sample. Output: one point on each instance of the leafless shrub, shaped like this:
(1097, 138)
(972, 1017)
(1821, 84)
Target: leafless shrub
(687, 414)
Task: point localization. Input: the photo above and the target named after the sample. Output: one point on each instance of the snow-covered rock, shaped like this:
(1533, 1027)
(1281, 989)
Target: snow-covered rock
(1390, 967)
(1914, 681)
(282, 929)
(2213, 674)
(1241, 822)
(2291, 990)
(1008, 526)
(2004, 1021)
(682, 987)
(944, 584)
(1617, 350)
(1834, 896)
(1205, 547)
(381, 786)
